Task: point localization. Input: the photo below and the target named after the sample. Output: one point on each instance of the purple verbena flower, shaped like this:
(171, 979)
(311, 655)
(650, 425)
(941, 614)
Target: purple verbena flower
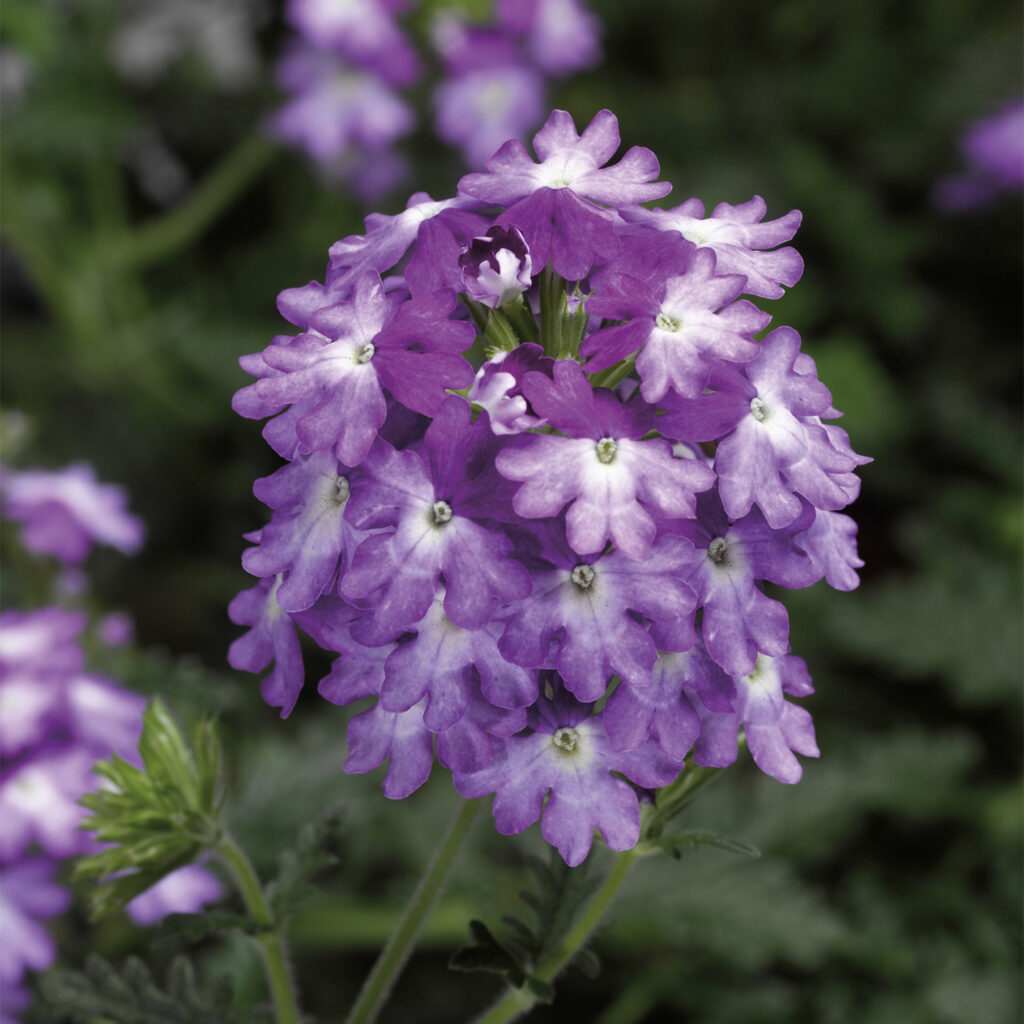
(665, 710)
(775, 728)
(66, 511)
(584, 618)
(682, 320)
(498, 390)
(553, 202)
(28, 895)
(442, 662)
(271, 638)
(361, 30)
(610, 479)
(184, 891)
(487, 100)
(436, 504)
(561, 773)
(353, 351)
(508, 550)
(994, 150)
(742, 241)
(308, 537)
(739, 620)
(38, 803)
(336, 109)
(775, 449)
(561, 35)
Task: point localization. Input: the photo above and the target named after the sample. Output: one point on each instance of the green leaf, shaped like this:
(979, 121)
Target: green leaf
(487, 954)
(587, 961)
(558, 894)
(130, 995)
(186, 929)
(676, 843)
(315, 853)
(554, 900)
(158, 820)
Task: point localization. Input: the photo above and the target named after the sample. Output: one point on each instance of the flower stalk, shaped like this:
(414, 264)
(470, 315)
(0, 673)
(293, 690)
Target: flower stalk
(269, 938)
(393, 957)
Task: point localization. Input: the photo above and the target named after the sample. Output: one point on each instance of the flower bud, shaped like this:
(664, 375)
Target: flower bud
(496, 267)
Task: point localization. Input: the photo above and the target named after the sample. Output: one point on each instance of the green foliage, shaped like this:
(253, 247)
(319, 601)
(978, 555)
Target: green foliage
(177, 930)
(130, 995)
(555, 901)
(313, 856)
(159, 818)
(676, 843)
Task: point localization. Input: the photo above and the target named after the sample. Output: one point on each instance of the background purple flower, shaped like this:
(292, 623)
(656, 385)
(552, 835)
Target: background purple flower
(65, 512)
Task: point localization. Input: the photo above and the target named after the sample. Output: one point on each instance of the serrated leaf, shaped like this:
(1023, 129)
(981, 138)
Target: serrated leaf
(130, 995)
(186, 929)
(559, 894)
(587, 962)
(678, 842)
(314, 854)
(488, 955)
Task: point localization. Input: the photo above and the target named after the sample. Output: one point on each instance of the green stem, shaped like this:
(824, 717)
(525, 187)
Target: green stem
(614, 375)
(522, 319)
(518, 1001)
(272, 944)
(378, 984)
(677, 795)
(551, 297)
(173, 231)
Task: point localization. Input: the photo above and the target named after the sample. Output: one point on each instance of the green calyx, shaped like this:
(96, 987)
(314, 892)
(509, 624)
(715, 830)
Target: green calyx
(159, 818)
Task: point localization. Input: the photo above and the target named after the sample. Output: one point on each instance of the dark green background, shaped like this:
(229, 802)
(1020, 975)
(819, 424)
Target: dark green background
(889, 887)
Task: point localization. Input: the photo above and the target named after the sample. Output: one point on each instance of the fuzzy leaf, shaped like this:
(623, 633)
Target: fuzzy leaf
(130, 995)
(315, 853)
(487, 954)
(185, 929)
(675, 844)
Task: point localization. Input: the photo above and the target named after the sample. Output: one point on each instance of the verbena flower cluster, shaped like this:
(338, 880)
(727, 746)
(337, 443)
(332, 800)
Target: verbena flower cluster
(56, 721)
(351, 66)
(538, 472)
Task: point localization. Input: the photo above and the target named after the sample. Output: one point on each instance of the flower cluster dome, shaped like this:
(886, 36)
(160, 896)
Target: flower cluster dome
(541, 461)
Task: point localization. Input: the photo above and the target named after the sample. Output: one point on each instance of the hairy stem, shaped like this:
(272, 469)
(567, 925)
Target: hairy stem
(378, 984)
(270, 939)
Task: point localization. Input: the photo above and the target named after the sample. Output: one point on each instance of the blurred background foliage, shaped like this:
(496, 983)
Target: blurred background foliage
(889, 887)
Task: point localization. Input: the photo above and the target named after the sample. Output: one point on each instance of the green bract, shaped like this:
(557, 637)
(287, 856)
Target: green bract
(160, 818)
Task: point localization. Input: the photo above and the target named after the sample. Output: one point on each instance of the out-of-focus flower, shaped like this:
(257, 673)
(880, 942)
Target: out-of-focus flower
(994, 151)
(64, 512)
(181, 892)
(221, 33)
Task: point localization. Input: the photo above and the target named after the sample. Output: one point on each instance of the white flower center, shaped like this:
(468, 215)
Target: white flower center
(364, 353)
(667, 322)
(341, 492)
(583, 576)
(717, 550)
(440, 513)
(759, 410)
(566, 740)
(606, 449)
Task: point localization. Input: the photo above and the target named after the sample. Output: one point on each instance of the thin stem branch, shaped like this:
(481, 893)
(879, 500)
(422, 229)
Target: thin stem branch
(378, 984)
(166, 235)
(517, 1001)
(270, 939)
